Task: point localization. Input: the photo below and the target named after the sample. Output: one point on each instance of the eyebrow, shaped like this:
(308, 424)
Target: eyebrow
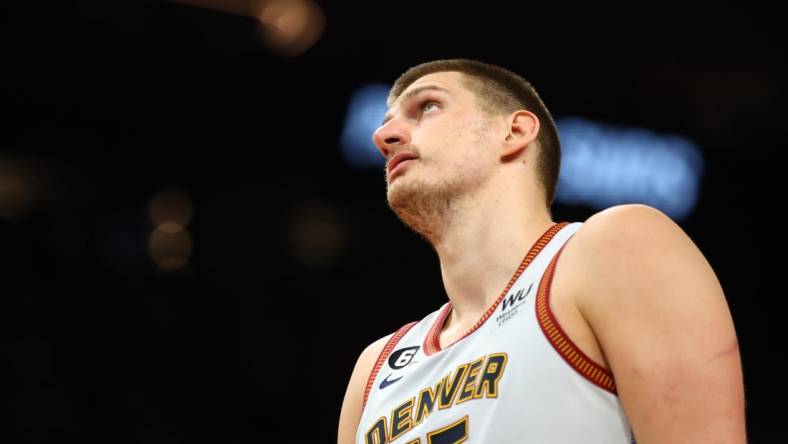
(415, 91)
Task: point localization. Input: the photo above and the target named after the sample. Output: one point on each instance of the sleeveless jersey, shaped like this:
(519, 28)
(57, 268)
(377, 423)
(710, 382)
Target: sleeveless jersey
(515, 377)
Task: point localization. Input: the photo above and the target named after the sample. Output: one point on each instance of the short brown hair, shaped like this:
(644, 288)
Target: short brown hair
(499, 91)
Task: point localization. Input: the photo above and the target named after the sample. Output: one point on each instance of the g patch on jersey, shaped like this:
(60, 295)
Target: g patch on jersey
(402, 357)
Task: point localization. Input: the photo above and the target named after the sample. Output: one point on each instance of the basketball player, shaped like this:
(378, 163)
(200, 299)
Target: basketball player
(607, 331)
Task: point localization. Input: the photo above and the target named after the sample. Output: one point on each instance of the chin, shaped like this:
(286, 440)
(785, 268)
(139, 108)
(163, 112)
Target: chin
(401, 191)
(419, 204)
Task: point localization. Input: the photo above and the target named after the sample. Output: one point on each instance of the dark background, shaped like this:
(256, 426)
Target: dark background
(107, 102)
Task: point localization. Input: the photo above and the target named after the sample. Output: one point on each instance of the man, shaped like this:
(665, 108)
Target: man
(627, 337)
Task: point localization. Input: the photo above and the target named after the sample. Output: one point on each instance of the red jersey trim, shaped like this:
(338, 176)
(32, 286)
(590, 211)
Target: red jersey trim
(560, 341)
(432, 341)
(395, 338)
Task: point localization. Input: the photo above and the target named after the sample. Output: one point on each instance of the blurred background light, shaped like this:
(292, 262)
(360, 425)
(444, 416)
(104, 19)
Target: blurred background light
(170, 251)
(16, 196)
(364, 114)
(170, 244)
(288, 27)
(171, 209)
(317, 234)
(605, 165)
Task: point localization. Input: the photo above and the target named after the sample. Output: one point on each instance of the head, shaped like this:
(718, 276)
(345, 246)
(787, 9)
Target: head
(460, 121)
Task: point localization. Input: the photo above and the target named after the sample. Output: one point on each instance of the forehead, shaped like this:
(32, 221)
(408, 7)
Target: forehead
(450, 80)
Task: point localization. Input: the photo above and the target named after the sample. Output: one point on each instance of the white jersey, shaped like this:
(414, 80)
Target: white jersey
(513, 378)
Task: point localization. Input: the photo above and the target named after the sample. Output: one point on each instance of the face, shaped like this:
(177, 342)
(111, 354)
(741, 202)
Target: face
(437, 140)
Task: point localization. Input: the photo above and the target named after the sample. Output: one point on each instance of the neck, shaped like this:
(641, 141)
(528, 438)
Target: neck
(482, 245)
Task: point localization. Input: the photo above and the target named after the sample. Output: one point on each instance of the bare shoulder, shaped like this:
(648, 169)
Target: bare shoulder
(630, 252)
(618, 240)
(661, 318)
(353, 404)
(632, 227)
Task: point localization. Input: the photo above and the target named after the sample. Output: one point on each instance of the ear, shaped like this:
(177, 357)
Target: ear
(523, 128)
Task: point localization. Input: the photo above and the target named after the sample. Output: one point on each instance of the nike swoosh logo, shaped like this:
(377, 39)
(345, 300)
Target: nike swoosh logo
(387, 382)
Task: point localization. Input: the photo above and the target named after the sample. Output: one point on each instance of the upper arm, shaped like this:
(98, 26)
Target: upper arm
(353, 404)
(662, 321)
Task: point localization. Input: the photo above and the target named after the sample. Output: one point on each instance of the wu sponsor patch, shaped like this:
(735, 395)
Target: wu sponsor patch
(511, 304)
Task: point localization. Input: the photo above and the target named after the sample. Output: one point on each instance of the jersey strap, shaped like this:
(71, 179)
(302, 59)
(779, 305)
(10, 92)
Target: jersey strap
(384, 355)
(560, 340)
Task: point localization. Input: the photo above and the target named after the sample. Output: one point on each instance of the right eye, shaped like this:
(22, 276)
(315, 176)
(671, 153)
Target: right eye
(425, 103)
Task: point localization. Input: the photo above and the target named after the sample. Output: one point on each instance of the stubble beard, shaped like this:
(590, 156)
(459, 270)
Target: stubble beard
(428, 209)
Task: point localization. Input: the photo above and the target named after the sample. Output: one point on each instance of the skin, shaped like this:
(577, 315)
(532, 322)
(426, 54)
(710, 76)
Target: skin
(630, 289)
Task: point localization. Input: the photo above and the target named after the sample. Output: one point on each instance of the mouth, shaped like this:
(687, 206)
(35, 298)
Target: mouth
(398, 163)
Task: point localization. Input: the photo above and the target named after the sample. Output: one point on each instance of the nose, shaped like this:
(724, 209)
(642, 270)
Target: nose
(389, 136)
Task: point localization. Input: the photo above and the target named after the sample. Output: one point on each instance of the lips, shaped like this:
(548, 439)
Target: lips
(398, 159)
